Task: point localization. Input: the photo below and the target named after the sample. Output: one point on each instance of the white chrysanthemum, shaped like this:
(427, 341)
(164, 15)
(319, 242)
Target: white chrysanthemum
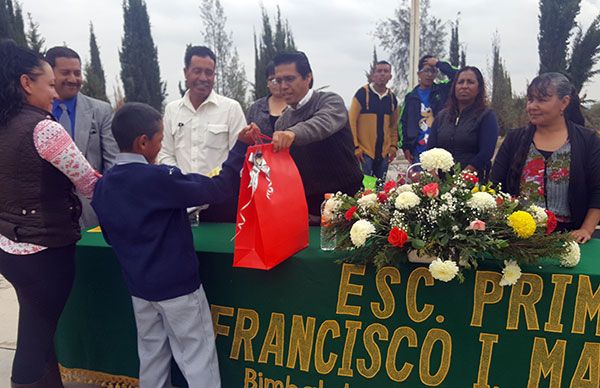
(539, 215)
(571, 258)
(330, 208)
(443, 270)
(481, 201)
(510, 274)
(367, 201)
(407, 200)
(437, 158)
(405, 188)
(360, 232)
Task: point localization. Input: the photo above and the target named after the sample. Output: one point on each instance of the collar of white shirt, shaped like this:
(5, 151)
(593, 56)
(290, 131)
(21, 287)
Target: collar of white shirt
(213, 98)
(372, 87)
(304, 100)
(129, 157)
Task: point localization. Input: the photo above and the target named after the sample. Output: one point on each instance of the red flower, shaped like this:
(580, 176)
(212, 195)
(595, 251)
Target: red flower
(382, 197)
(499, 201)
(535, 167)
(367, 192)
(431, 190)
(389, 186)
(469, 177)
(397, 237)
(551, 222)
(349, 213)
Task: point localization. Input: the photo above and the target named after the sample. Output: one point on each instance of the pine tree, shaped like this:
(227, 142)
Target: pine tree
(34, 39)
(394, 33)
(95, 82)
(502, 96)
(18, 27)
(270, 44)
(140, 72)
(369, 73)
(5, 21)
(230, 76)
(454, 45)
(585, 55)
(463, 57)
(11, 22)
(557, 20)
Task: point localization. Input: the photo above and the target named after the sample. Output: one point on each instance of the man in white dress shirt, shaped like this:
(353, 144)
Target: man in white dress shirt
(201, 127)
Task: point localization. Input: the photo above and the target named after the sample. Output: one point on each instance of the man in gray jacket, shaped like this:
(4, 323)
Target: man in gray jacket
(87, 120)
(315, 127)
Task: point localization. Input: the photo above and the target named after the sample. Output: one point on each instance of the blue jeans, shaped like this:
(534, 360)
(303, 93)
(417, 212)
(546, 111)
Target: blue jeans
(375, 167)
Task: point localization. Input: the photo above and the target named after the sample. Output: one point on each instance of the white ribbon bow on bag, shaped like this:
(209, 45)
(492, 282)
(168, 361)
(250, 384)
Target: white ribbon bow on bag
(259, 164)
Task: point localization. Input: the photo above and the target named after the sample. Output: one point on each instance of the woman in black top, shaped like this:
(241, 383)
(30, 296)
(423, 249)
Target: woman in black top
(466, 127)
(266, 110)
(555, 161)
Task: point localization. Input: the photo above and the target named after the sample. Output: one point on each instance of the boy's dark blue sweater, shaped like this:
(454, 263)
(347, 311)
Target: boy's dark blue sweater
(142, 212)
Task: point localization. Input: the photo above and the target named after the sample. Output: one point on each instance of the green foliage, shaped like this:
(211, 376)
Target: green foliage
(454, 45)
(140, 71)
(369, 73)
(230, 76)
(394, 34)
(11, 22)
(269, 45)
(34, 38)
(585, 55)
(463, 57)
(592, 116)
(94, 81)
(557, 20)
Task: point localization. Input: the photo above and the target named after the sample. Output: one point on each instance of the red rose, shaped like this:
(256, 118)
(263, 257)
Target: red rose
(349, 213)
(389, 186)
(382, 197)
(397, 237)
(431, 190)
(550, 222)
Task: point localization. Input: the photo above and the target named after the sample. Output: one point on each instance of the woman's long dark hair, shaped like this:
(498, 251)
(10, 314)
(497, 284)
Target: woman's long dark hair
(480, 100)
(14, 62)
(545, 85)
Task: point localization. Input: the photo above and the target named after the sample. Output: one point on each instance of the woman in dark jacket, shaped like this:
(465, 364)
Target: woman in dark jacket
(265, 111)
(39, 212)
(555, 161)
(466, 127)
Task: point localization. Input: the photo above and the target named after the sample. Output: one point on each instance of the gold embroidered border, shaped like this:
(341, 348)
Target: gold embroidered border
(100, 379)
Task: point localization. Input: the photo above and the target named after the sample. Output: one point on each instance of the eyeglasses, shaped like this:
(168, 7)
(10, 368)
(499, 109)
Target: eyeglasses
(287, 79)
(273, 82)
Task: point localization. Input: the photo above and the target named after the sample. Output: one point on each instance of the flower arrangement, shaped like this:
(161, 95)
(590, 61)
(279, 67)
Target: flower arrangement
(449, 218)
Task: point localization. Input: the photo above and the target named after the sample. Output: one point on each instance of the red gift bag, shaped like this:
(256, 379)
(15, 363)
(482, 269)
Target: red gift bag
(272, 217)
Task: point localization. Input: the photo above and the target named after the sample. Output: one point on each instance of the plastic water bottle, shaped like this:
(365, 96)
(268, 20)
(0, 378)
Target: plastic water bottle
(327, 239)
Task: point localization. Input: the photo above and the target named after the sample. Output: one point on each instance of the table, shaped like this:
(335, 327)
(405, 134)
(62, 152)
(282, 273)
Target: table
(313, 322)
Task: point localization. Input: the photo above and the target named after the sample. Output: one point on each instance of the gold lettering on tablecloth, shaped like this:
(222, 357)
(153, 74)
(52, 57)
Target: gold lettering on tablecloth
(244, 335)
(390, 361)
(487, 346)
(347, 288)
(301, 342)
(216, 311)
(586, 304)
(546, 363)
(274, 340)
(481, 295)
(588, 365)
(519, 299)
(372, 350)
(433, 336)
(352, 328)
(385, 292)
(560, 282)
(321, 366)
(412, 286)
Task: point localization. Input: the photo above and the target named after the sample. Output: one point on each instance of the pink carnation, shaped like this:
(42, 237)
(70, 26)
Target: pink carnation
(477, 225)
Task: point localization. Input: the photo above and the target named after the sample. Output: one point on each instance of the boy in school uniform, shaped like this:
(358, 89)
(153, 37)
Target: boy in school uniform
(142, 212)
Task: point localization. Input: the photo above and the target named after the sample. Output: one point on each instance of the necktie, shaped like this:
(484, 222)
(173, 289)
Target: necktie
(65, 119)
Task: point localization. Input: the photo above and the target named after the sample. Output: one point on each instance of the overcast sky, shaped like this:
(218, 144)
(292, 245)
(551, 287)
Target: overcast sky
(337, 35)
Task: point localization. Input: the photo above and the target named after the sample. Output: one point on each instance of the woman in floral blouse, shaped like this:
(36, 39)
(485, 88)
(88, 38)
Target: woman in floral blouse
(555, 161)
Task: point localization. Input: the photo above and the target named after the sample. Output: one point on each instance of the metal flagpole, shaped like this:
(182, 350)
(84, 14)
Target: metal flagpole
(413, 49)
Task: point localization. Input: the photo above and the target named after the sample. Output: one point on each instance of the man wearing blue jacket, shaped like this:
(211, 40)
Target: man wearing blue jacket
(422, 104)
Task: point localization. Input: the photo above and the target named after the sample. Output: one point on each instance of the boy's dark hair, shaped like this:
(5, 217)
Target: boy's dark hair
(297, 57)
(199, 51)
(132, 120)
(60, 52)
(423, 60)
(383, 63)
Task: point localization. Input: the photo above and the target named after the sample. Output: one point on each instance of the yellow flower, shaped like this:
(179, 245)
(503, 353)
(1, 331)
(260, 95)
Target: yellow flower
(522, 223)
(475, 189)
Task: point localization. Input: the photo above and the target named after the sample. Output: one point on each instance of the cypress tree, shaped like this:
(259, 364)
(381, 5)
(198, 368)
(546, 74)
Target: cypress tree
(140, 71)
(557, 20)
(463, 57)
(5, 21)
(270, 44)
(18, 26)
(34, 38)
(95, 82)
(454, 45)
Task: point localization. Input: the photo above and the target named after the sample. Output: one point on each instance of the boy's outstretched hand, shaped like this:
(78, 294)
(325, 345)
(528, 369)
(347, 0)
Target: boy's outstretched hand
(249, 133)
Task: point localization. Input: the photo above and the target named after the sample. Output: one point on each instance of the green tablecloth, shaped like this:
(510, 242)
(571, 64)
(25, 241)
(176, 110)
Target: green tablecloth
(311, 322)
